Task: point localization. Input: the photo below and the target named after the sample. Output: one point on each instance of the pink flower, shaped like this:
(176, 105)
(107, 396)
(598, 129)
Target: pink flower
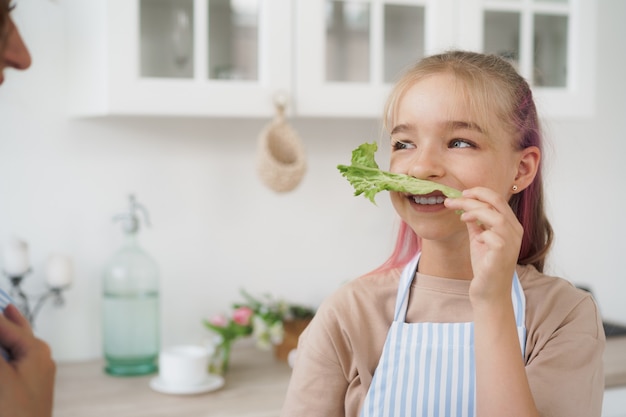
(242, 315)
(219, 320)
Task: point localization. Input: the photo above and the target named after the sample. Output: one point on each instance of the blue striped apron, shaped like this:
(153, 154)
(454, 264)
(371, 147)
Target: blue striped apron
(428, 369)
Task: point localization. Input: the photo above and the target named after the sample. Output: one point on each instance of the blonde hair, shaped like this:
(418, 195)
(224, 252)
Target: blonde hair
(5, 9)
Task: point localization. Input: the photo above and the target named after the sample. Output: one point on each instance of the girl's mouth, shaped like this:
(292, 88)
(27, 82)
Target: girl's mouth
(428, 200)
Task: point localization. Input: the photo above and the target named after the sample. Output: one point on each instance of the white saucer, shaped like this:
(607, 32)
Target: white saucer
(211, 383)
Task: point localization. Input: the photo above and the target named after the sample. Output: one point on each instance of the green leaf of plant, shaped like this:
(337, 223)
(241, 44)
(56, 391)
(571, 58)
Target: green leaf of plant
(369, 180)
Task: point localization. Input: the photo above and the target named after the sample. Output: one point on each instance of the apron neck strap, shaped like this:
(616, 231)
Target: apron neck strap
(408, 274)
(404, 288)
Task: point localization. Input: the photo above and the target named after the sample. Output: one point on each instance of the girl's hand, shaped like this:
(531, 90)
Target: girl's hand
(495, 237)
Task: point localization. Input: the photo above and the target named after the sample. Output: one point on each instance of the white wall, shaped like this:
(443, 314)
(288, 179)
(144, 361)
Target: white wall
(217, 229)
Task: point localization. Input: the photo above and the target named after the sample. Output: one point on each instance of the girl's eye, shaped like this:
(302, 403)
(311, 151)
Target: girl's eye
(460, 143)
(399, 145)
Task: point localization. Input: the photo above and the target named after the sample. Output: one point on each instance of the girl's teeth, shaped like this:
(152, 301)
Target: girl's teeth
(428, 200)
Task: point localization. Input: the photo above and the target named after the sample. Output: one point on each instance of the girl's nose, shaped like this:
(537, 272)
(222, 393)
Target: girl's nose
(15, 53)
(425, 163)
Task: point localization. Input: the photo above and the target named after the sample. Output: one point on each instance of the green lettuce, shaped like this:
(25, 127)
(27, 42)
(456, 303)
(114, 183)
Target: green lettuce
(368, 179)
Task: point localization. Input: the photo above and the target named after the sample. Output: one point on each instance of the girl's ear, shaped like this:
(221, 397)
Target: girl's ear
(527, 166)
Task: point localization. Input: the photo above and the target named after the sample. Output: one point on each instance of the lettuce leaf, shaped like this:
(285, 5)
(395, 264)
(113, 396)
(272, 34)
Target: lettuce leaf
(369, 180)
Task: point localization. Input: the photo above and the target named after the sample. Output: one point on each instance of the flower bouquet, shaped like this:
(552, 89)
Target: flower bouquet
(270, 321)
(228, 329)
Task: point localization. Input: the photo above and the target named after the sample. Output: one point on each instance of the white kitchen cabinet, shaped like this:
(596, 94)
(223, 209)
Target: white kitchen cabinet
(349, 52)
(329, 58)
(550, 41)
(161, 57)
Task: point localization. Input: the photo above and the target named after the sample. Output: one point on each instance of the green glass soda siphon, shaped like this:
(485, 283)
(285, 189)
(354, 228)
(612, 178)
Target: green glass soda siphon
(131, 321)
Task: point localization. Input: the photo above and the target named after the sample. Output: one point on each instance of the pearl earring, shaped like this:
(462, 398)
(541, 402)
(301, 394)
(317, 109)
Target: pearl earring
(514, 187)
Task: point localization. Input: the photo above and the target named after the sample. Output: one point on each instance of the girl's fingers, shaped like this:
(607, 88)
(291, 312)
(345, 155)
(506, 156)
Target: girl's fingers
(485, 210)
(478, 197)
(495, 236)
(480, 204)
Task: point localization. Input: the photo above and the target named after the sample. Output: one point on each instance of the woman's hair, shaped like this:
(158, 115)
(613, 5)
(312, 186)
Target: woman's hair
(4, 23)
(492, 87)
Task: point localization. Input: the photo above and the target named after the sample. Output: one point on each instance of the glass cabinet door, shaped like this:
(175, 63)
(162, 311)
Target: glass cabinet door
(350, 39)
(533, 34)
(347, 42)
(168, 31)
(404, 38)
(233, 40)
(350, 51)
(166, 38)
(179, 57)
(549, 42)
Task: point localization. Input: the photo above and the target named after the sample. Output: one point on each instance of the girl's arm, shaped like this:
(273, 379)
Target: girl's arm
(495, 236)
(502, 387)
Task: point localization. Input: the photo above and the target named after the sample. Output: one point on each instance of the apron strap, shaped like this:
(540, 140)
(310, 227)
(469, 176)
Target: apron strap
(402, 298)
(517, 296)
(519, 308)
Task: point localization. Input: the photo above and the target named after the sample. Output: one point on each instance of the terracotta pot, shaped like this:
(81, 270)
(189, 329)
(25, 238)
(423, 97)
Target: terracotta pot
(292, 330)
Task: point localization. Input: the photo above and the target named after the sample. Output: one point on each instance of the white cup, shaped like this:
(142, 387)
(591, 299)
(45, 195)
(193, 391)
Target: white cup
(183, 366)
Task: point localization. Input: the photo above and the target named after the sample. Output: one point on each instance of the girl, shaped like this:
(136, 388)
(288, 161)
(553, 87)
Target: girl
(460, 320)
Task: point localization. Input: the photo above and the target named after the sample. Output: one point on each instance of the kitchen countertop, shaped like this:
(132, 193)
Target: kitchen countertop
(255, 387)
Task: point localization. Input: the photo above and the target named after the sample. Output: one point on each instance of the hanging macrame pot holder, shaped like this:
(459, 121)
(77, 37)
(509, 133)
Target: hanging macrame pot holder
(281, 161)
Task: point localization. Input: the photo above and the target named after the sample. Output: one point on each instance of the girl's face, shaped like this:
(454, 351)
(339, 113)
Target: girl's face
(435, 136)
(13, 51)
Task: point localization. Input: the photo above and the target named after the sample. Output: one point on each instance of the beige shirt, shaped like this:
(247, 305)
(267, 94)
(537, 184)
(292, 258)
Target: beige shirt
(339, 351)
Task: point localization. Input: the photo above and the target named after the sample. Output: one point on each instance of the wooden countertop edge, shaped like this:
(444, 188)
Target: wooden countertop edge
(614, 362)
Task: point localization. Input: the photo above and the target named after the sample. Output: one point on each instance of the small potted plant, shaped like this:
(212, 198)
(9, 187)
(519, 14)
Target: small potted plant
(273, 323)
(277, 323)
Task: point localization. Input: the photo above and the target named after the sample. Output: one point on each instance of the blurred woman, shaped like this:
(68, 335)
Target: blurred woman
(27, 377)
(13, 51)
